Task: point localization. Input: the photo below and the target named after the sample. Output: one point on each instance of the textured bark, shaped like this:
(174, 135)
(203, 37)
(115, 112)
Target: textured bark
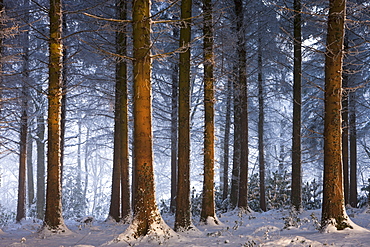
(261, 120)
(243, 105)
(63, 115)
(353, 151)
(145, 210)
(333, 210)
(296, 194)
(183, 216)
(53, 213)
(208, 200)
(120, 198)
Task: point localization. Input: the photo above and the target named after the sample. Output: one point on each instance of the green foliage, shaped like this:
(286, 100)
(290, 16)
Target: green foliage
(74, 205)
(311, 195)
(365, 200)
(6, 216)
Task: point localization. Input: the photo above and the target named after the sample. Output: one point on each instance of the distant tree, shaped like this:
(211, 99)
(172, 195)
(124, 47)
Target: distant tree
(261, 124)
(24, 97)
(333, 210)
(353, 150)
(183, 215)
(53, 214)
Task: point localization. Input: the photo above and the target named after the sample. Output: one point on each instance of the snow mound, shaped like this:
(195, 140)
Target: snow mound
(159, 233)
(295, 241)
(265, 229)
(47, 231)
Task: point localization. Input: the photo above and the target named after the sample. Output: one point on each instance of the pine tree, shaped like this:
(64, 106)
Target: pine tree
(183, 216)
(296, 194)
(53, 214)
(208, 196)
(333, 210)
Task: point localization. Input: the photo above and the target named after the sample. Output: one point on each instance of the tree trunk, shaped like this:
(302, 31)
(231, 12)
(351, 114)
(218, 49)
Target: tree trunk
(40, 148)
(333, 210)
(120, 197)
(183, 216)
(236, 151)
(174, 130)
(261, 120)
(353, 151)
(296, 194)
(30, 181)
(53, 213)
(208, 200)
(225, 162)
(345, 135)
(63, 116)
(243, 104)
(145, 209)
(21, 206)
(122, 115)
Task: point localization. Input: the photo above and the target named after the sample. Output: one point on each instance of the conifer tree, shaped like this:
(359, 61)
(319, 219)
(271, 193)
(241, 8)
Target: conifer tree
(333, 210)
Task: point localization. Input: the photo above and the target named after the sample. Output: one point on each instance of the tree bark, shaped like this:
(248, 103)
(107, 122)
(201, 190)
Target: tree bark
(183, 216)
(243, 105)
(333, 210)
(208, 199)
(145, 209)
(120, 198)
(353, 151)
(53, 213)
(296, 194)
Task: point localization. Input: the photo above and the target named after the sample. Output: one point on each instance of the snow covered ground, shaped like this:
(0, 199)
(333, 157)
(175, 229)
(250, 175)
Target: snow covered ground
(272, 228)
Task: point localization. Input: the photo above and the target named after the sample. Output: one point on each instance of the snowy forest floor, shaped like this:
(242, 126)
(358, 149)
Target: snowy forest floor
(272, 228)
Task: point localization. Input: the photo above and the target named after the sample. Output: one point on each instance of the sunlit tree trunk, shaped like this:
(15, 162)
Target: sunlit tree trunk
(63, 116)
(183, 216)
(243, 105)
(53, 213)
(333, 210)
(208, 199)
(145, 209)
(296, 194)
